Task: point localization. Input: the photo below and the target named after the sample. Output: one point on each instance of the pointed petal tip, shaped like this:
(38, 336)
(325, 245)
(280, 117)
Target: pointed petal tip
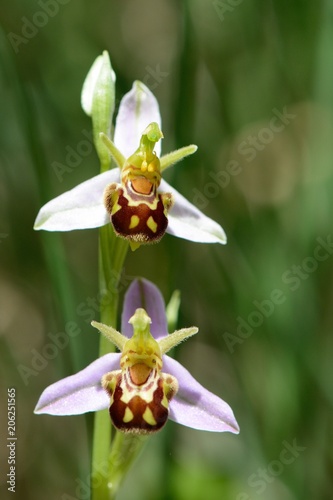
(42, 410)
(232, 424)
(236, 428)
(223, 239)
(138, 85)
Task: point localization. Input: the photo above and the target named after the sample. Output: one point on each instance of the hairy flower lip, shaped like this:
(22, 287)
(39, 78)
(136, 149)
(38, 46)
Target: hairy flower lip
(192, 406)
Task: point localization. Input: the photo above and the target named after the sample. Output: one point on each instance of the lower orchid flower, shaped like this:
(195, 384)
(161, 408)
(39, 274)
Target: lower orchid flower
(142, 386)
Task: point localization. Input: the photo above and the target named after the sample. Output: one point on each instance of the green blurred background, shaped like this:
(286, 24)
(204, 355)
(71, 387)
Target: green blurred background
(250, 82)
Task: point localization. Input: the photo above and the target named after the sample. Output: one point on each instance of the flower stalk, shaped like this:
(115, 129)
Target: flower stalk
(112, 254)
(125, 449)
(98, 101)
(141, 207)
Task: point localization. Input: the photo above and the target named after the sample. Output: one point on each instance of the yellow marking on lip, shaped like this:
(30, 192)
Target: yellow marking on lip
(115, 207)
(134, 221)
(111, 197)
(149, 417)
(152, 224)
(128, 416)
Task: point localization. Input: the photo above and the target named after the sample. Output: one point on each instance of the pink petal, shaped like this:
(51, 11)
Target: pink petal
(80, 208)
(195, 406)
(142, 293)
(81, 392)
(188, 222)
(138, 108)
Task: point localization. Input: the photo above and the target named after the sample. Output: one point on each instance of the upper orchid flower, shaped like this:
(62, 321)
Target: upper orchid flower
(139, 203)
(141, 385)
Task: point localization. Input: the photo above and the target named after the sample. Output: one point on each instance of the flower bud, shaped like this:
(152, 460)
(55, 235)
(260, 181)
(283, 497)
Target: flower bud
(98, 101)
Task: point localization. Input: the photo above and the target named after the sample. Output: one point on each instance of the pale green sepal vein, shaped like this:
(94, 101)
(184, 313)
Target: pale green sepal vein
(113, 150)
(111, 334)
(175, 338)
(178, 155)
(172, 310)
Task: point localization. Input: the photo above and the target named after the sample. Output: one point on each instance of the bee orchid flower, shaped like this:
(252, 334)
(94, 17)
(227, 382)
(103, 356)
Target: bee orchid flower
(133, 196)
(141, 385)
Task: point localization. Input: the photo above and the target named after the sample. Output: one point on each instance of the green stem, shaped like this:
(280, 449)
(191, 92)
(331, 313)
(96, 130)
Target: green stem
(125, 449)
(113, 251)
(109, 468)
